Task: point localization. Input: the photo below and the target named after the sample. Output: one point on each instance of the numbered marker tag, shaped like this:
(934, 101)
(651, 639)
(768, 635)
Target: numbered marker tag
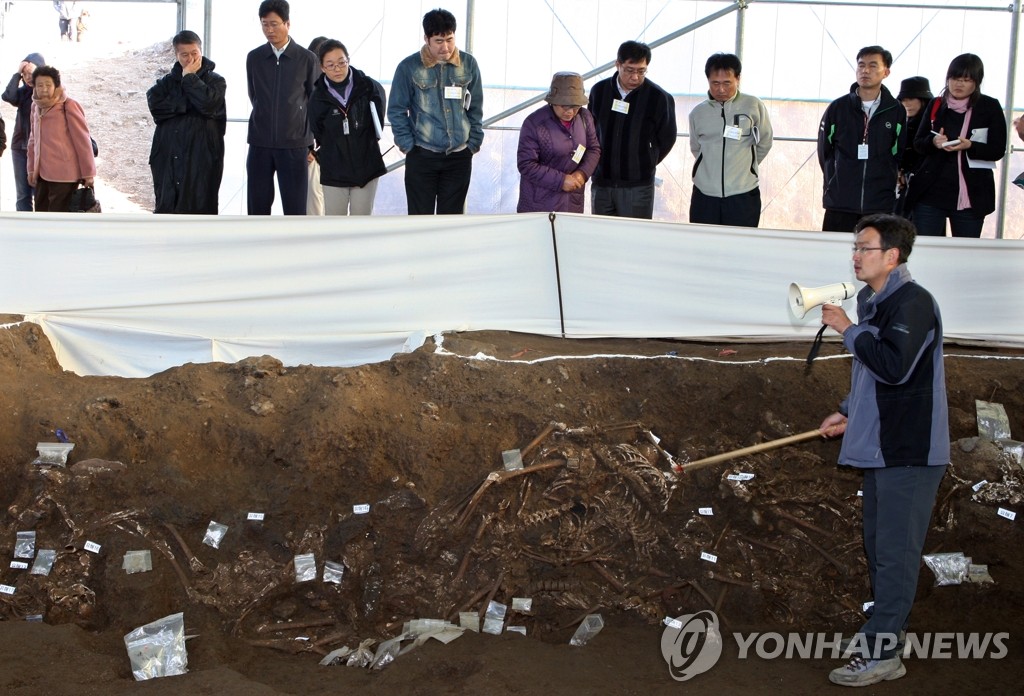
(620, 106)
(577, 156)
(6, 589)
(673, 623)
(705, 511)
(740, 477)
(361, 509)
(710, 557)
(979, 485)
(1008, 514)
(256, 516)
(453, 92)
(92, 547)
(19, 565)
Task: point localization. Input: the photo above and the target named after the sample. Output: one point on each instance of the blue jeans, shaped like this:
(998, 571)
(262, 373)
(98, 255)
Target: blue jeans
(931, 221)
(25, 192)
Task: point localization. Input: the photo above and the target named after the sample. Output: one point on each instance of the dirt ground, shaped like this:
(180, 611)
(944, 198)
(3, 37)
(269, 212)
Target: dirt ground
(602, 530)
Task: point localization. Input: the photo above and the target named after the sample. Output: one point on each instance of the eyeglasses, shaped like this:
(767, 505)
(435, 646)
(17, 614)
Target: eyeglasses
(637, 72)
(861, 250)
(335, 66)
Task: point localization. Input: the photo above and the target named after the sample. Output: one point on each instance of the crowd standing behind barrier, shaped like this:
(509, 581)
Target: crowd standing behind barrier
(633, 144)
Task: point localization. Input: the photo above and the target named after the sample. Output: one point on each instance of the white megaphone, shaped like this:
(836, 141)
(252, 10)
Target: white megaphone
(802, 300)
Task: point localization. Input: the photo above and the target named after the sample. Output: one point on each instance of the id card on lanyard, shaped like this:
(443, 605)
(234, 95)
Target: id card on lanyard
(862, 149)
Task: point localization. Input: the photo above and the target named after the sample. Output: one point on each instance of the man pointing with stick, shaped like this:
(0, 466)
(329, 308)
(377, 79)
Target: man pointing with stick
(895, 426)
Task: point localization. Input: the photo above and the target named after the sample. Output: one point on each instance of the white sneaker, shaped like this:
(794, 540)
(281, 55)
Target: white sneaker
(861, 672)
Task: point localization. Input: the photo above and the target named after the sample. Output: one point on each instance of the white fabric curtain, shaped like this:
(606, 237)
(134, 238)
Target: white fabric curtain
(135, 295)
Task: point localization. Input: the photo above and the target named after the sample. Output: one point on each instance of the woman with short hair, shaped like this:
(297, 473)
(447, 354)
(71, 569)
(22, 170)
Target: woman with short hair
(59, 145)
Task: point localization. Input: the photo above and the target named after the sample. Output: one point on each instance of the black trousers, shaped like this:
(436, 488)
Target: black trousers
(290, 165)
(741, 210)
(840, 221)
(437, 182)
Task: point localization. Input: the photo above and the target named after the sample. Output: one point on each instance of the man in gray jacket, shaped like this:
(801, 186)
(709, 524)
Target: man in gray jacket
(895, 428)
(730, 134)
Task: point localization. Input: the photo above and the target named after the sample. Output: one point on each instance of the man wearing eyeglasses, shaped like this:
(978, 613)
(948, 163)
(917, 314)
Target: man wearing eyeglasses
(860, 144)
(636, 126)
(895, 427)
(280, 76)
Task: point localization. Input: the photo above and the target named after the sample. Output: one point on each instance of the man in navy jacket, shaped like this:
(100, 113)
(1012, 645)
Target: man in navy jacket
(895, 427)
(280, 76)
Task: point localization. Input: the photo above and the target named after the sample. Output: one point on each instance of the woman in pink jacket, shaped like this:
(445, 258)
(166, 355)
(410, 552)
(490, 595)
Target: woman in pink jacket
(59, 146)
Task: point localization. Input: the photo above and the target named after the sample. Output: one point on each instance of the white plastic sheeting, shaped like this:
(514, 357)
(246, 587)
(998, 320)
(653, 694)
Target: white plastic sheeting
(135, 295)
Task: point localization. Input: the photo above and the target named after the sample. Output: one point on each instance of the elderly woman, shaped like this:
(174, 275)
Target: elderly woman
(961, 137)
(346, 111)
(59, 146)
(558, 150)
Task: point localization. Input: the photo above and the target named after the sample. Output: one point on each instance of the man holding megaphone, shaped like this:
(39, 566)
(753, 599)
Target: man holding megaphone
(895, 426)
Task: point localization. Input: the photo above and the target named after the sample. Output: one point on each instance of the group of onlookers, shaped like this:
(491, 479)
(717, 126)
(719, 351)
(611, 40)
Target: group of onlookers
(316, 123)
(930, 158)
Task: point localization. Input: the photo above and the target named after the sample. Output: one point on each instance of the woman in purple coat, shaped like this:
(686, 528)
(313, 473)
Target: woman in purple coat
(558, 150)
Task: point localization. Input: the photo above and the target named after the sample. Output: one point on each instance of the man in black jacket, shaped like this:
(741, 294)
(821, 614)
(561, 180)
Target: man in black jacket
(280, 76)
(18, 94)
(636, 126)
(187, 158)
(860, 144)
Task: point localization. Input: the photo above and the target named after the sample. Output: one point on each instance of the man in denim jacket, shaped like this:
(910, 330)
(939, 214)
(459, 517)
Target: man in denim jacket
(436, 114)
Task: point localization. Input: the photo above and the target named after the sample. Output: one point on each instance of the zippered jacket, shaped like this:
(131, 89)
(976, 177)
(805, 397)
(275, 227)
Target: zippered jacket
(727, 166)
(349, 157)
(279, 91)
(855, 185)
(896, 409)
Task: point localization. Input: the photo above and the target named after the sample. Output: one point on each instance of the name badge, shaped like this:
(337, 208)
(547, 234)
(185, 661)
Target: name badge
(345, 126)
(862, 151)
(453, 92)
(731, 132)
(620, 106)
(578, 155)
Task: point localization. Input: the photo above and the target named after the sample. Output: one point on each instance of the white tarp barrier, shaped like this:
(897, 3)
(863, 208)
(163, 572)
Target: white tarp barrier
(135, 295)
(656, 279)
